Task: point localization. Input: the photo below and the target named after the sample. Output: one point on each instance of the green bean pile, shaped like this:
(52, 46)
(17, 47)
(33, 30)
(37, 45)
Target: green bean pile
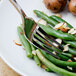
(40, 57)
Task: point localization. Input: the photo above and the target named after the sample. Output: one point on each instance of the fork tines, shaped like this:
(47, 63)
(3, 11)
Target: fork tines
(44, 41)
(44, 49)
(50, 38)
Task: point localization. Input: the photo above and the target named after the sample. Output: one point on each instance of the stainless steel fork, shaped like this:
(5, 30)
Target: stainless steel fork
(37, 37)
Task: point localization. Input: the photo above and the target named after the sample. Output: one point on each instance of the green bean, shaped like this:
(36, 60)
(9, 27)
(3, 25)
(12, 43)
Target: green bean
(64, 56)
(72, 43)
(57, 33)
(54, 67)
(45, 68)
(72, 51)
(37, 61)
(45, 17)
(30, 23)
(24, 42)
(48, 70)
(58, 62)
(60, 20)
(53, 20)
(68, 55)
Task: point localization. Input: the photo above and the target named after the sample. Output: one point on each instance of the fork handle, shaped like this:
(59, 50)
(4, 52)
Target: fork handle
(17, 6)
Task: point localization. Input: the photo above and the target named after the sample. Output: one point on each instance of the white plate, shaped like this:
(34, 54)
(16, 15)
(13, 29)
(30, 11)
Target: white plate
(14, 55)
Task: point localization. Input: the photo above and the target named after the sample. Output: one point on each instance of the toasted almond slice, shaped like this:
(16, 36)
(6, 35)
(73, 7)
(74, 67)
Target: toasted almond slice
(43, 66)
(66, 48)
(55, 44)
(17, 42)
(34, 52)
(75, 58)
(41, 21)
(59, 40)
(64, 30)
(62, 26)
(71, 30)
(58, 26)
(69, 60)
(58, 15)
(74, 32)
(54, 52)
(70, 68)
(65, 26)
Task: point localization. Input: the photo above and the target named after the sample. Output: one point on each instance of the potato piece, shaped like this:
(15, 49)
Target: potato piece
(55, 5)
(72, 6)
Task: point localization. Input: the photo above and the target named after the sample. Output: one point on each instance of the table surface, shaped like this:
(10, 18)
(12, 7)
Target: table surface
(5, 70)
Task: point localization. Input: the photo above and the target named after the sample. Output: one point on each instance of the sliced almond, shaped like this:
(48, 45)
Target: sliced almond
(66, 48)
(64, 30)
(74, 32)
(71, 30)
(41, 21)
(54, 52)
(70, 68)
(75, 58)
(58, 15)
(43, 66)
(17, 42)
(65, 26)
(58, 26)
(55, 44)
(34, 52)
(69, 60)
(62, 26)
(59, 40)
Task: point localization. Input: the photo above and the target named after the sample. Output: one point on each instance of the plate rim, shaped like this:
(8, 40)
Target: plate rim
(4, 58)
(11, 66)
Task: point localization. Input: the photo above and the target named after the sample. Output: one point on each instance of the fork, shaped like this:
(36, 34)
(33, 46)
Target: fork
(39, 38)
